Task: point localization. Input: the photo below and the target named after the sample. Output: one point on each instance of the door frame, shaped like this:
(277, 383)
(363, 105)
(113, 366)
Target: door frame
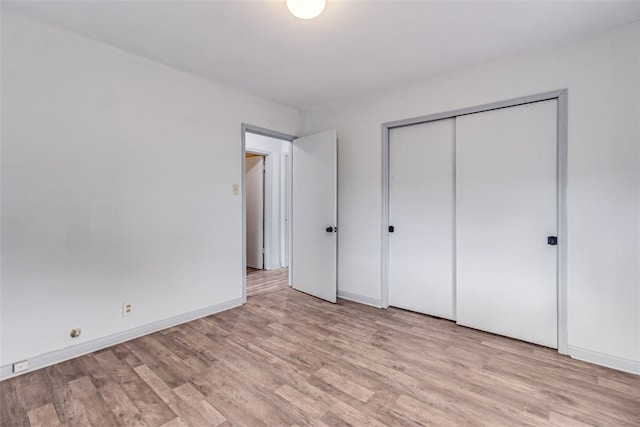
(560, 96)
(244, 128)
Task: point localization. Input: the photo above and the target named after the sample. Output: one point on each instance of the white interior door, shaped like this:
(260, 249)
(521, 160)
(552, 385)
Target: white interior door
(506, 207)
(421, 211)
(255, 211)
(313, 256)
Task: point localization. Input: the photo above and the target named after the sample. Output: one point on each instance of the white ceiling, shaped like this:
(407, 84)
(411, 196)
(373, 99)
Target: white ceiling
(353, 48)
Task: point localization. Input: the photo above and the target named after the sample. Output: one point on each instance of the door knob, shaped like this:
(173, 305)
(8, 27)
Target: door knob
(552, 240)
(391, 229)
(329, 229)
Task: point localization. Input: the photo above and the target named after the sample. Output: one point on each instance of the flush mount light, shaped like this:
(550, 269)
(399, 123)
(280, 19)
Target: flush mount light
(306, 9)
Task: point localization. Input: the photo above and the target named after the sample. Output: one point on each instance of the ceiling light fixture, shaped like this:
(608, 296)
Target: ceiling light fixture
(306, 9)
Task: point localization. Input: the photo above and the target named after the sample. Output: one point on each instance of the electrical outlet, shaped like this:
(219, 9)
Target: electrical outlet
(21, 366)
(127, 309)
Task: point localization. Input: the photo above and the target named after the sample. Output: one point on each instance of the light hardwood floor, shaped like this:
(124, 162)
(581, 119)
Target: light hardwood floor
(260, 282)
(286, 358)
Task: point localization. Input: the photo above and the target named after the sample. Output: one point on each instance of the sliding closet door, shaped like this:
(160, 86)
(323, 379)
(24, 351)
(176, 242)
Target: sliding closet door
(421, 180)
(506, 208)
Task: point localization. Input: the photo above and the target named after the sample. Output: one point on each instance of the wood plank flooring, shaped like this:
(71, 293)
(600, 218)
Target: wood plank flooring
(286, 358)
(260, 282)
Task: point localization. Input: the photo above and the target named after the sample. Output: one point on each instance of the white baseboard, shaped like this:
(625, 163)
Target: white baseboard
(613, 362)
(67, 353)
(374, 302)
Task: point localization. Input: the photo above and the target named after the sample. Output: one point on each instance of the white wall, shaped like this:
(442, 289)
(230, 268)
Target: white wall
(117, 178)
(264, 144)
(601, 73)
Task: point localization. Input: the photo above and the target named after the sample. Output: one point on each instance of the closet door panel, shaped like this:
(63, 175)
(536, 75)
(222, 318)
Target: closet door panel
(506, 204)
(421, 173)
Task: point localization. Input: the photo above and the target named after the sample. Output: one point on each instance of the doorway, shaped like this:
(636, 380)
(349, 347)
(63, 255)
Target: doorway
(310, 201)
(266, 207)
